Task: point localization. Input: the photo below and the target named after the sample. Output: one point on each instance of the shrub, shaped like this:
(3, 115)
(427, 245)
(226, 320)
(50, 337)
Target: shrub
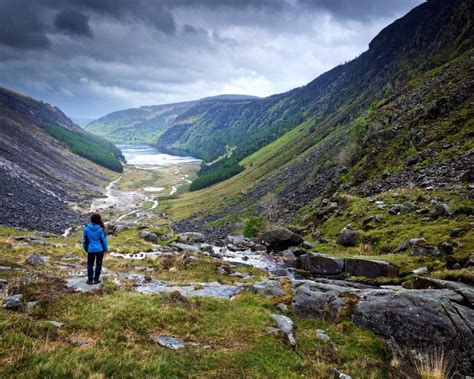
(253, 226)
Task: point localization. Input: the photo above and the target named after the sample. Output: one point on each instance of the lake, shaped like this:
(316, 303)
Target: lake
(149, 157)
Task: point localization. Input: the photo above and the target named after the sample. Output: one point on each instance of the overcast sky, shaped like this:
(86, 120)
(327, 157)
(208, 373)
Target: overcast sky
(92, 57)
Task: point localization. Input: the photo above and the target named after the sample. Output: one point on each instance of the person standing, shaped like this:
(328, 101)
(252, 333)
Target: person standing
(94, 242)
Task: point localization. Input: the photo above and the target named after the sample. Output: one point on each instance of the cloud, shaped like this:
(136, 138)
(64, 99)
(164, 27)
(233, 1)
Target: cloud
(71, 21)
(147, 52)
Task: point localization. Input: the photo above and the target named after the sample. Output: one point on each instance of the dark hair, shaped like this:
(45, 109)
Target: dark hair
(96, 218)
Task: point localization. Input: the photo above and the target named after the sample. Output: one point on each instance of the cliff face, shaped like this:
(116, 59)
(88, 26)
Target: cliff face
(39, 176)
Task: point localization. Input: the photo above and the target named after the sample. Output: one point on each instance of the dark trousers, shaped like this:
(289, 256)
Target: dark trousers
(91, 257)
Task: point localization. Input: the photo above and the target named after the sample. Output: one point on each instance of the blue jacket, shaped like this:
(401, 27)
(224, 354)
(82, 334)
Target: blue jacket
(94, 239)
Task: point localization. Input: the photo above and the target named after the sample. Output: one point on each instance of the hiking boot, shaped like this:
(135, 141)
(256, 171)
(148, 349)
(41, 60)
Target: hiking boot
(90, 282)
(97, 281)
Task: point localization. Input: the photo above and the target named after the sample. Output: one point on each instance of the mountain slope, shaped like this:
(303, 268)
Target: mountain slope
(39, 175)
(145, 124)
(352, 112)
(428, 36)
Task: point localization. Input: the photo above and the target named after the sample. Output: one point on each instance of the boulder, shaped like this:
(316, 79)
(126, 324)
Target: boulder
(191, 237)
(318, 264)
(440, 210)
(34, 260)
(399, 209)
(308, 245)
(446, 247)
(410, 243)
(425, 250)
(280, 239)
(464, 210)
(149, 236)
(289, 257)
(14, 302)
(184, 247)
(420, 319)
(369, 268)
(285, 324)
(235, 240)
(269, 288)
(322, 336)
(347, 237)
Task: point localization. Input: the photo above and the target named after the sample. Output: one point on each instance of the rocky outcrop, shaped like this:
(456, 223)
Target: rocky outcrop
(408, 318)
(318, 264)
(370, 268)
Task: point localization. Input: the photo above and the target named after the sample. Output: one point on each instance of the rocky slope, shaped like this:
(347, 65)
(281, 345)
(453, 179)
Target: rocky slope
(145, 124)
(39, 176)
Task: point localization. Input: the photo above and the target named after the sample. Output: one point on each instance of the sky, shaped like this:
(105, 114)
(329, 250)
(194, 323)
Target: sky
(92, 57)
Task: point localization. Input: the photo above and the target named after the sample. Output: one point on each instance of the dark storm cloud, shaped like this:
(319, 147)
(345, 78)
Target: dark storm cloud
(72, 21)
(158, 51)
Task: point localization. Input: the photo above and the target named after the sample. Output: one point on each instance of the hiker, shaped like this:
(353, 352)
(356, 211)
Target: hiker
(94, 242)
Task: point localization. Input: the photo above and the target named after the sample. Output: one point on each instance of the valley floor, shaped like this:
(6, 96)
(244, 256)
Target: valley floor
(176, 306)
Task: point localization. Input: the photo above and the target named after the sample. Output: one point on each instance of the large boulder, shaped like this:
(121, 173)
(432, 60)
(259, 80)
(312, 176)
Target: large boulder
(193, 237)
(370, 268)
(149, 236)
(280, 239)
(347, 237)
(440, 210)
(318, 264)
(420, 319)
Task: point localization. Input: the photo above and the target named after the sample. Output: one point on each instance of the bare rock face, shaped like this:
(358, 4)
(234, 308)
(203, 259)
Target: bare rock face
(280, 239)
(370, 268)
(318, 264)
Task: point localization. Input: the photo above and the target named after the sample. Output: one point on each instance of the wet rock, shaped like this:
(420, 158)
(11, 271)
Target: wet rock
(347, 237)
(322, 336)
(280, 239)
(457, 232)
(192, 237)
(440, 210)
(34, 260)
(285, 324)
(14, 302)
(269, 288)
(79, 341)
(318, 264)
(169, 342)
(370, 268)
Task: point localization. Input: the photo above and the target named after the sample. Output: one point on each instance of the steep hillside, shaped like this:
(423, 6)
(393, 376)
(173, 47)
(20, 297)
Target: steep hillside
(39, 173)
(427, 37)
(145, 124)
(394, 117)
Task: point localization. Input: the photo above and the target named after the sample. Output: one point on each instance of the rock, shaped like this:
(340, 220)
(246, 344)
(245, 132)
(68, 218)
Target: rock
(318, 264)
(56, 324)
(339, 375)
(470, 261)
(457, 232)
(347, 237)
(269, 288)
(375, 218)
(14, 302)
(282, 307)
(440, 210)
(322, 336)
(184, 247)
(80, 285)
(235, 240)
(399, 209)
(3, 283)
(165, 237)
(420, 319)
(207, 248)
(370, 268)
(149, 236)
(169, 342)
(31, 304)
(411, 242)
(280, 239)
(193, 237)
(307, 245)
(420, 270)
(285, 324)
(34, 260)
(425, 250)
(79, 341)
(224, 270)
(446, 247)
(289, 258)
(464, 210)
